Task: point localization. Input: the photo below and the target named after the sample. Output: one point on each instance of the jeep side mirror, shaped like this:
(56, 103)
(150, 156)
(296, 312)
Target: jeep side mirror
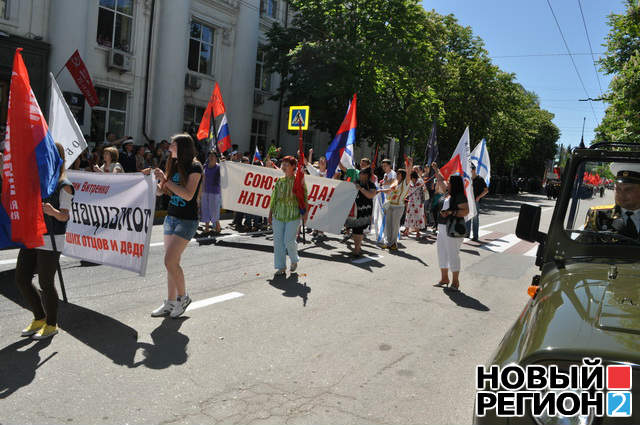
(529, 223)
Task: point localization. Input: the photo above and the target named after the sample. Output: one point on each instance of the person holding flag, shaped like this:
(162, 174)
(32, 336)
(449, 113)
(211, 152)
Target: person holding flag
(210, 196)
(34, 186)
(284, 216)
(451, 206)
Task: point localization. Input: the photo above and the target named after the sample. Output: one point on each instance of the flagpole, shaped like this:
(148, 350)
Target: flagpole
(300, 154)
(55, 249)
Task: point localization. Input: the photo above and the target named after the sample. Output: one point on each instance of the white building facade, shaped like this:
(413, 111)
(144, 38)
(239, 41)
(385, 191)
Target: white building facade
(154, 64)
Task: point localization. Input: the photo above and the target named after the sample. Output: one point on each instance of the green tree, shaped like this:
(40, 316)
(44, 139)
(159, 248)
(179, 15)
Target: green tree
(622, 60)
(409, 67)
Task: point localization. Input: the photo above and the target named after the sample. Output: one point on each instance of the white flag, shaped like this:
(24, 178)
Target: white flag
(480, 158)
(464, 150)
(63, 126)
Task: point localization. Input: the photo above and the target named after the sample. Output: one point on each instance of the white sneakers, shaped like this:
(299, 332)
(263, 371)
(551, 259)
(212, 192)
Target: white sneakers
(180, 306)
(172, 309)
(164, 310)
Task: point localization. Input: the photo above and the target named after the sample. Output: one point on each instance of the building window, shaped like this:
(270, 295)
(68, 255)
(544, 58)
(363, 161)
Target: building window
(263, 78)
(110, 115)
(115, 21)
(259, 134)
(201, 48)
(192, 117)
(269, 8)
(4, 9)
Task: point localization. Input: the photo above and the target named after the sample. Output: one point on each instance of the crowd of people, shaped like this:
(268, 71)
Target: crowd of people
(188, 179)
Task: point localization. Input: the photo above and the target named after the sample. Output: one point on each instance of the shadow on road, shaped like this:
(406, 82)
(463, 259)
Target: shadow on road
(18, 364)
(291, 286)
(169, 346)
(106, 335)
(338, 257)
(463, 300)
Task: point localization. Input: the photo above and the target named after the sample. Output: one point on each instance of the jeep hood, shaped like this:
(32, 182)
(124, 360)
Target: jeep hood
(581, 312)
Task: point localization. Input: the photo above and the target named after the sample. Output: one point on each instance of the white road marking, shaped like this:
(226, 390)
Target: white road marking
(367, 258)
(502, 243)
(214, 300)
(532, 252)
(509, 219)
(481, 233)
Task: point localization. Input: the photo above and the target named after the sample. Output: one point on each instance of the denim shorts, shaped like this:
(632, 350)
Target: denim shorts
(186, 229)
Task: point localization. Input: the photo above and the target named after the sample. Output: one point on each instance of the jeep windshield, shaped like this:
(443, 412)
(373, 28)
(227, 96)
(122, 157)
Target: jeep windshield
(604, 207)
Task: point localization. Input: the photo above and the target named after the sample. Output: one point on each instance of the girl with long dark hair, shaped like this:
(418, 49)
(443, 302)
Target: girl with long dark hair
(453, 204)
(182, 182)
(43, 261)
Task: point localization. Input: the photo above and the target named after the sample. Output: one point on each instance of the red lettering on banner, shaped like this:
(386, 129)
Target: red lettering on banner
(267, 183)
(266, 201)
(258, 198)
(313, 195)
(252, 197)
(323, 193)
(257, 178)
(313, 209)
(333, 189)
(247, 179)
(242, 200)
(114, 245)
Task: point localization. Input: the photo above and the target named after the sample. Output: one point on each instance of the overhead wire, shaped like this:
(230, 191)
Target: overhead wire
(584, 23)
(541, 55)
(566, 45)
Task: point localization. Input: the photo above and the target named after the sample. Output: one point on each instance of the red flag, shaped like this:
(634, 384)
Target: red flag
(451, 167)
(31, 161)
(215, 109)
(79, 72)
(298, 184)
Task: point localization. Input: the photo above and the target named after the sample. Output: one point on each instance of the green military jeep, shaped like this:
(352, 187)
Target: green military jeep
(584, 308)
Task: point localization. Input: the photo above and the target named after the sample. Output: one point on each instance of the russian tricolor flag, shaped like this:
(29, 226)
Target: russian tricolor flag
(341, 148)
(31, 165)
(256, 156)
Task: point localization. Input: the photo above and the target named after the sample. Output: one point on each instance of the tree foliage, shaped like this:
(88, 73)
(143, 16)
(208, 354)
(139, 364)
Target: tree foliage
(410, 67)
(621, 122)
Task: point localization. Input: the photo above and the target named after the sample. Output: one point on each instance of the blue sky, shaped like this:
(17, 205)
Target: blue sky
(527, 27)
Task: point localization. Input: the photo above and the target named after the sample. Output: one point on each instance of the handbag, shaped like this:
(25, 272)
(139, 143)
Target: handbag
(456, 227)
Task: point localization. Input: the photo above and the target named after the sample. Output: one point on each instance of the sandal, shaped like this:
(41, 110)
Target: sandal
(455, 288)
(442, 284)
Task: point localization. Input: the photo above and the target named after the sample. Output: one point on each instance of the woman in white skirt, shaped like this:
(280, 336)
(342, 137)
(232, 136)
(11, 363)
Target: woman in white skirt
(452, 204)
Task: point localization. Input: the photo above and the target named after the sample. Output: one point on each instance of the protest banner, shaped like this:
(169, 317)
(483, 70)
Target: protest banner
(111, 219)
(247, 188)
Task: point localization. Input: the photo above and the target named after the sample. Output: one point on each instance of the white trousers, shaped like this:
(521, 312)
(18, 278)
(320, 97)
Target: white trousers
(448, 250)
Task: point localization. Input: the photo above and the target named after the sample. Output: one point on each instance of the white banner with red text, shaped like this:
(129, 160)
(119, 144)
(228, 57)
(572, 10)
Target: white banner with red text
(111, 219)
(247, 188)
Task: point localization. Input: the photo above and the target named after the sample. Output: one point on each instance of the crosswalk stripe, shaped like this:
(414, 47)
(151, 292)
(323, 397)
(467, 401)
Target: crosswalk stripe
(214, 300)
(532, 252)
(503, 243)
(521, 247)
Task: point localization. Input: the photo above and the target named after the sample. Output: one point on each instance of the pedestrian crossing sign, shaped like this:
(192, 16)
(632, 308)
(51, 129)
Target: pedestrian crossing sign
(299, 117)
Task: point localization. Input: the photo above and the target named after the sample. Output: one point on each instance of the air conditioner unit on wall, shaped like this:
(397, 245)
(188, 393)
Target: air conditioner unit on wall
(192, 82)
(119, 60)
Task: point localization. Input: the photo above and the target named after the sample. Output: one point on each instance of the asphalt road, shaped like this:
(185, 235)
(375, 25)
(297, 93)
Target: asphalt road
(339, 342)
